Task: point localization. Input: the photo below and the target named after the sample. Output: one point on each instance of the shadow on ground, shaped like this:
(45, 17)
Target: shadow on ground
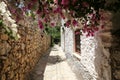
(38, 72)
(54, 60)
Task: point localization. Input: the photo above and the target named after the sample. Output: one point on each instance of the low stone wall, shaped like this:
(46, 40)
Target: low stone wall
(17, 58)
(115, 58)
(115, 47)
(111, 41)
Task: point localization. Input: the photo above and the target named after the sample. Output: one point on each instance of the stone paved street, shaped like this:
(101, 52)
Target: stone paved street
(53, 66)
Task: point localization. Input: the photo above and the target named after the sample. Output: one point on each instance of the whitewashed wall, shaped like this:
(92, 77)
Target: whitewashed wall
(67, 39)
(88, 46)
(94, 59)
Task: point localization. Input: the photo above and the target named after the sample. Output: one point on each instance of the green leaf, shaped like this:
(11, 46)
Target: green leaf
(1, 22)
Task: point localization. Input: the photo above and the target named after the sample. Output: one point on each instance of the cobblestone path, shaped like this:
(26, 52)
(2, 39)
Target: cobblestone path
(53, 66)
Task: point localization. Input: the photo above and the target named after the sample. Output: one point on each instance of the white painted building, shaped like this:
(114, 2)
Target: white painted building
(68, 40)
(86, 55)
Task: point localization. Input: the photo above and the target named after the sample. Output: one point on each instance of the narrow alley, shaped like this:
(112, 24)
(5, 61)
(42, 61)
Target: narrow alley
(53, 66)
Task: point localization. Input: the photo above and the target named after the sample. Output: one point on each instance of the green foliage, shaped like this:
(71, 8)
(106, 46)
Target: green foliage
(54, 32)
(1, 22)
(8, 31)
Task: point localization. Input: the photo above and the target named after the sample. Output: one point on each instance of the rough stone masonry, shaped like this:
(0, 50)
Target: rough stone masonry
(18, 57)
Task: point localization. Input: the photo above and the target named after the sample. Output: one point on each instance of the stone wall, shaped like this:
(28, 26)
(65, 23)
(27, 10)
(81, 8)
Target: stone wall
(111, 40)
(18, 57)
(115, 47)
(115, 58)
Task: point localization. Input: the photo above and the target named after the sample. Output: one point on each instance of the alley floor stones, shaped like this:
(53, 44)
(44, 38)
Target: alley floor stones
(53, 66)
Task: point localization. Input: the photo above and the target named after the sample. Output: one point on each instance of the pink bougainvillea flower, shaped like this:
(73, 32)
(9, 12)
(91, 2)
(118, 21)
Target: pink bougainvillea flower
(30, 5)
(102, 18)
(92, 16)
(52, 24)
(55, 1)
(46, 20)
(65, 2)
(74, 22)
(71, 13)
(88, 34)
(92, 33)
(46, 11)
(40, 24)
(102, 27)
(38, 11)
(67, 24)
(62, 16)
(77, 32)
(96, 29)
(57, 10)
(88, 29)
(13, 10)
(24, 9)
(84, 30)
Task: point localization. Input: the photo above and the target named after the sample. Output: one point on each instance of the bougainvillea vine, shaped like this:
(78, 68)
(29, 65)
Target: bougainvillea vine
(74, 12)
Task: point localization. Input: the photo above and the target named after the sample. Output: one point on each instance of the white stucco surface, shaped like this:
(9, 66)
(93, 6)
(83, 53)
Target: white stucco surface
(67, 39)
(94, 58)
(88, 46)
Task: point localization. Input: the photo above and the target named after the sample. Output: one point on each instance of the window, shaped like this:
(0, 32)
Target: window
(77, 41)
